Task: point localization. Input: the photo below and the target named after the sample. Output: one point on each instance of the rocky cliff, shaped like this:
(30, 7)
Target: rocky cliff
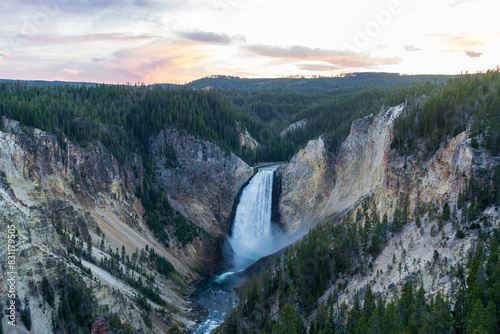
(366, 166)
(67, 201)
(202, 182)
(367, 170)
(306, 182)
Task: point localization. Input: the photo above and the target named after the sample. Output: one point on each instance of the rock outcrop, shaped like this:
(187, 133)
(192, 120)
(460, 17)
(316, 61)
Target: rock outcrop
(306, 182)
(316, 188)
(203, 182)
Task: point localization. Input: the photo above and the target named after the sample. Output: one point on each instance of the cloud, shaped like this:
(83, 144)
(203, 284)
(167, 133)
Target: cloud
(162, 61)
(412, 48)
(6, 55)
(46, 39)
(465, 42)
(473, 54)
(211, 37)
(69, 71)
(341, 59)
(317, 67)
(457, 2)
(93, 6)
(111, 37)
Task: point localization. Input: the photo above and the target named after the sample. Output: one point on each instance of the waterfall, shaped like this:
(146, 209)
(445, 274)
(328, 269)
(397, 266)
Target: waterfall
(253, 235)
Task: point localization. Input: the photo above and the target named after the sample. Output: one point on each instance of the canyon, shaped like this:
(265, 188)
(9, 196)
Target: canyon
(55, 191)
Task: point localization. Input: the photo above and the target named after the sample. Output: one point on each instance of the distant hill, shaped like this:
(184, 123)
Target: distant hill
(315, 85)
(44, 83)
(306, 85)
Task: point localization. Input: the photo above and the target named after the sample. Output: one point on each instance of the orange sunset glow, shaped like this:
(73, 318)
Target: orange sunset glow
(179, 41)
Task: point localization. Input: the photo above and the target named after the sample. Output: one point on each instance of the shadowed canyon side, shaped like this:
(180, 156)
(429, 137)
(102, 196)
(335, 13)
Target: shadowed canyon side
(71, 203)
(202, 183)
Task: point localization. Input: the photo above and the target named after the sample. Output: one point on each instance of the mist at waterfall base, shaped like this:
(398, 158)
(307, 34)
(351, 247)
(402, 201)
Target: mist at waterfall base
(253, 236)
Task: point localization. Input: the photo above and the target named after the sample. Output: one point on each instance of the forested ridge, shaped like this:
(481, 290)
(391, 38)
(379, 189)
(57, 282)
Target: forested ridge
(124, 118)
(328, 106)
(467, 100)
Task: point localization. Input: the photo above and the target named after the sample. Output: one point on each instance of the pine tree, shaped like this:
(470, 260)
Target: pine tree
(406, 303)
(477, 318)
(89, 247)
(491, 318)
(391, 322)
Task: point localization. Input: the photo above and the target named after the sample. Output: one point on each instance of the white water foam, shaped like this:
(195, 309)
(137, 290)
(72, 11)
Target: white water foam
(253, 235)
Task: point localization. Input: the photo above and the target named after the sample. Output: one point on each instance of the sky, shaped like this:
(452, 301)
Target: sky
(176, 41)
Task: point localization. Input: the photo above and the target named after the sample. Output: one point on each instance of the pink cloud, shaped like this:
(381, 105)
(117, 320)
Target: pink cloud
(163, 62)
(5, 55)
(465, 42)
(341, 59)
(69, 71)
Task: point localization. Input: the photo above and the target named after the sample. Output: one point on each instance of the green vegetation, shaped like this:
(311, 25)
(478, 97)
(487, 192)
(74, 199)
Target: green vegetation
(162, 218)
(75, 313)
(117, 326)
(47, 291)
(132, 271)
(123, 118)
(335, 251)
(352, 81)
(329, 112)
(162, 265)
(25, 314)
(448, 111)
(185, 230)
(475, 306)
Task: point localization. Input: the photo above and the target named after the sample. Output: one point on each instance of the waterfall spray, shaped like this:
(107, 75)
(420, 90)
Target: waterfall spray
(253, 235)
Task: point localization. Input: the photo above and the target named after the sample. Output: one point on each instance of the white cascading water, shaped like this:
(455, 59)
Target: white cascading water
(253, 236)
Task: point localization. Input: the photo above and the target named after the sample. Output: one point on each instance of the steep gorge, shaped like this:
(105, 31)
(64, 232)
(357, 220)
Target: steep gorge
(61, 193)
